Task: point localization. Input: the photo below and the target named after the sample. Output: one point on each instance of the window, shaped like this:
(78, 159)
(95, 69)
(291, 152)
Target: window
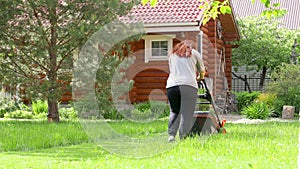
(157, 47)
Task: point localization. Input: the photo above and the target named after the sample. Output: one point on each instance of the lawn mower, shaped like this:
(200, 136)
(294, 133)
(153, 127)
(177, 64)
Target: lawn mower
(206, 121)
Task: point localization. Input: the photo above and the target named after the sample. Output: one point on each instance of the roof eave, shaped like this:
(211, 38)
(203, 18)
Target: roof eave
(170, 24)
(172, 27)
(231, 28)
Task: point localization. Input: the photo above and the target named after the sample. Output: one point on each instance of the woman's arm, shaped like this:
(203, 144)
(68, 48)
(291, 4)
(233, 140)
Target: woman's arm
(200, 65)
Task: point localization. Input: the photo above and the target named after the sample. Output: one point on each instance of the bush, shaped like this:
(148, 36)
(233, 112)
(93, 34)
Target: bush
(19, 114)
(245, 99)
(144, 106)
(285, 86)
(7, 104)
(139, 115)
(158, 109)
(256, 111)
(267, 98)
(39, 107)
(68, 113)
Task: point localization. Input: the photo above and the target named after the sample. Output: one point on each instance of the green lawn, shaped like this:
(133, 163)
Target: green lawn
(36, 144)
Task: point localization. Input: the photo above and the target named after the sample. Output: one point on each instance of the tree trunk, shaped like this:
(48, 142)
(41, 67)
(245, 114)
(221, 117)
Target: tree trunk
(53, 115)
(262, 78)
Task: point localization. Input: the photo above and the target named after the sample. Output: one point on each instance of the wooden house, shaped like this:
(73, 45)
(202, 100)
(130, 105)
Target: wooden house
(166, 24)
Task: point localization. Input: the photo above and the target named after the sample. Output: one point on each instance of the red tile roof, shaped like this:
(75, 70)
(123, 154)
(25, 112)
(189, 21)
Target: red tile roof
(166, 11)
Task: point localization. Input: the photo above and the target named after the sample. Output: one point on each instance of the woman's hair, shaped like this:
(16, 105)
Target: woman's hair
(180, 49)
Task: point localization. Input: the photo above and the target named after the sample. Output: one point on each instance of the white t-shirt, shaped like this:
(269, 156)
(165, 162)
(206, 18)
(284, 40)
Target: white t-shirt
(183, 70)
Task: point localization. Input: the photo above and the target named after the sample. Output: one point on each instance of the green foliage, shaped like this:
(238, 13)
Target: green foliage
(104, 78)
(213, 9)
(111, 83)
(31, 54)
(139, 115)
(113, 114)
(256, 111)
(245, 99)
(285, 86)
(150, 109)
(263, 44)
(19, 114)
(159, 109)
(7, 104)
(144, 106)
(39, 107)
(267, 98)
(68, 113)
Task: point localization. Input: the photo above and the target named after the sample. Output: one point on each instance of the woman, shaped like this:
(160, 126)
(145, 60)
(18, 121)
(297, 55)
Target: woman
(182, 88)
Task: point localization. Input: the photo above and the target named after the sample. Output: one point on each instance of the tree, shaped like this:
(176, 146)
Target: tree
(213, 8)
(263, 45)
(39, 39)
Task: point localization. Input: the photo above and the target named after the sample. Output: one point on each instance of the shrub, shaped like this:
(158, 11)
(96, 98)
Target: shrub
(139, 115)
(159, 109)
(267, 98)
(6, 107)
(68, 113)
(143, 106)
(285, 86)
(245, 99)
(7, 104)
(40, 116)
(84, 105)
(19, 114)
(39, 107)
(256, 111)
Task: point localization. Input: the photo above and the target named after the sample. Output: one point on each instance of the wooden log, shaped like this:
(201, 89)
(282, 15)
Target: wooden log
(150, 79)
(204, 29)
(147, 91)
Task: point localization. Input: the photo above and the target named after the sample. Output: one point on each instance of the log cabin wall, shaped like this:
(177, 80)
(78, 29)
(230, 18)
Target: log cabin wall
(217, 55)
(211, 42)
(228, 68)
(149, 78)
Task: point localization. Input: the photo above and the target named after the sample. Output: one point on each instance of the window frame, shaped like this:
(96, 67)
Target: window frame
(148, 46)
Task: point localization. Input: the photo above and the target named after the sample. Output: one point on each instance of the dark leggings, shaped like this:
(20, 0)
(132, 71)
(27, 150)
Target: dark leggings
(182, 101)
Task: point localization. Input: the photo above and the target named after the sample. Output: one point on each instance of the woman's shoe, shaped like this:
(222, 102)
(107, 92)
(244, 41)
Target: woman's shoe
(171, 139)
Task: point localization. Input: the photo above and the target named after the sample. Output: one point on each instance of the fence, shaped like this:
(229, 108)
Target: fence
(239, 85)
